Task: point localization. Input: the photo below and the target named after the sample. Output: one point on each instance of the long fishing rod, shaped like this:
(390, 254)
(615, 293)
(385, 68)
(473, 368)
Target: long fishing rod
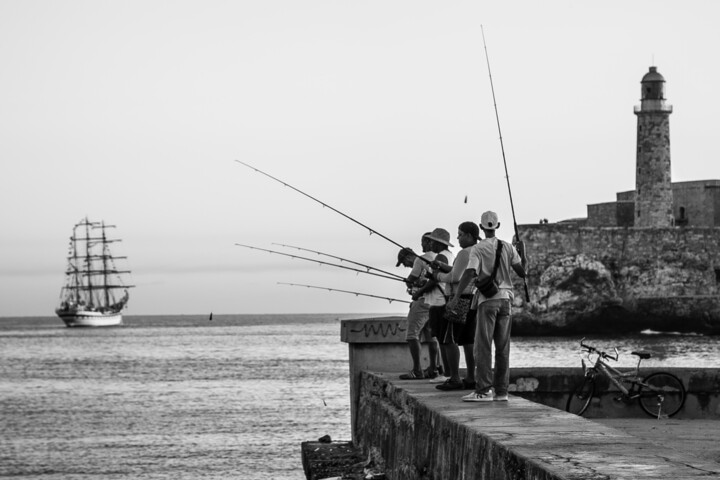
(314, 260)
(502, 148)
(389, 299)
(330, 207)
(340, 258)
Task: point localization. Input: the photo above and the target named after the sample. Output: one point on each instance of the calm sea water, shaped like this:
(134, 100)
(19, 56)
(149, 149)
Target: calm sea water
(181, 397)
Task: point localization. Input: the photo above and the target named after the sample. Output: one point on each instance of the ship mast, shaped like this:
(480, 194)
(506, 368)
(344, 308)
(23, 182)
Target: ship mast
(76, 278)
(88, 262)
(105, 267)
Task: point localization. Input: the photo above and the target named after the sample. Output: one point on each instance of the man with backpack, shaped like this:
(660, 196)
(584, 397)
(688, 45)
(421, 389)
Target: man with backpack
(489, 266)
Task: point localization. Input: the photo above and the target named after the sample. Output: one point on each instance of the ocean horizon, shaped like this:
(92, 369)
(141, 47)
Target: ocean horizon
(218, 319)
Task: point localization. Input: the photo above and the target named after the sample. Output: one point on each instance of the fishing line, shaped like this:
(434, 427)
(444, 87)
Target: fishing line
(340, 258)
(314, 260)
(389, 299)
(502, 148)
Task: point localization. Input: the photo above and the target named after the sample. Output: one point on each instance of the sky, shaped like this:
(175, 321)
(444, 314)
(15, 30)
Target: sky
(135, 112)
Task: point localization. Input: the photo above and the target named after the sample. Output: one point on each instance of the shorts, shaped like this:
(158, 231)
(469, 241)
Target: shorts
(454, 333)
(417, 319)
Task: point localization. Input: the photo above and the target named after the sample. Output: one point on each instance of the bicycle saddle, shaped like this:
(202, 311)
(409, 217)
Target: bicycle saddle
(642, 354)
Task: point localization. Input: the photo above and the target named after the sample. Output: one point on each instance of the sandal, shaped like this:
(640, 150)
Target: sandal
(412, 375)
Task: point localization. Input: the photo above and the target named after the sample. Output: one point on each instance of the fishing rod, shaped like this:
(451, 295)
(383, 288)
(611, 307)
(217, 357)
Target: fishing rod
(389, 299)
(340, 258)
(321, 262)
(330, 207)
(502, 148)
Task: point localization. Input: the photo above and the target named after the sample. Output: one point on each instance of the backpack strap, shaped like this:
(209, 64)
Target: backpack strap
(497, 259)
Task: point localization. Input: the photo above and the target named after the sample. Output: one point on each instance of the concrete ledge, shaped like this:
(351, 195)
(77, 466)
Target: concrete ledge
(551, 387)
(423, 433)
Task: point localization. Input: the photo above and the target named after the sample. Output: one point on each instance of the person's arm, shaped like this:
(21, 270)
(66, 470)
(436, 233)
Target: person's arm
(427, 286)
(467, 277)
(441, 267)
(455, 273)
(520, 267)
(412, 278)
(431, 282)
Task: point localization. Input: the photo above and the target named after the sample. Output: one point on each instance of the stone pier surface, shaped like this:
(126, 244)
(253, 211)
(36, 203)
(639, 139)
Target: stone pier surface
(420, 432)
(415, 431)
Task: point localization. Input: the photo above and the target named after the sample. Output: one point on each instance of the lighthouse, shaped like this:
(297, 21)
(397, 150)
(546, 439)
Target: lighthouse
(653, 188)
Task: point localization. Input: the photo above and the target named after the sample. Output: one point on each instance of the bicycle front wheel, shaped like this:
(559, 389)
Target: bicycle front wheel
(580, 397)
(661, 395)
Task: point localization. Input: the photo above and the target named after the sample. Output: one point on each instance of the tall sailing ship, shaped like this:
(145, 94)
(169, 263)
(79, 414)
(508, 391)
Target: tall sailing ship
(94, 294)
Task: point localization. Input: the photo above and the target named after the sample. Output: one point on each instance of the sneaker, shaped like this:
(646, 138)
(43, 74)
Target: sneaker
(450, 385)
(439, 379)
(412, 375)
(501, 398)
(478, 397)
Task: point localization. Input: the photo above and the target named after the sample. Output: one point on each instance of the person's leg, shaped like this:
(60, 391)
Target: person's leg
(434, 349)
(438, 353)
(501, 338)
(466, 338)
(415, 350)
(452, 353)
(416, 319)
(483, 346)
(426, 331)
(448, 345)
(469, 363)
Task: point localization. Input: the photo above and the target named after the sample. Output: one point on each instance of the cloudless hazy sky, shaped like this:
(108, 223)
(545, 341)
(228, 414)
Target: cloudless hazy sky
(134, 112)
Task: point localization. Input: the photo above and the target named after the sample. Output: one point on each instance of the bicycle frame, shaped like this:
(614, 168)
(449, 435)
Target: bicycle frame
(616, 376)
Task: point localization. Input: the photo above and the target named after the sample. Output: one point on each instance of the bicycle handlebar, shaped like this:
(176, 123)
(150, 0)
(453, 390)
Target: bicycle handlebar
(591, 349)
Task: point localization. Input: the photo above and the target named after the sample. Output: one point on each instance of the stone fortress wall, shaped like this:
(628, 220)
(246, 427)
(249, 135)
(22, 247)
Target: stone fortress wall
(611, 279)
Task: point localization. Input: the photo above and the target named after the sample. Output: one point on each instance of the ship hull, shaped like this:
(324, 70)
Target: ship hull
(91, 319)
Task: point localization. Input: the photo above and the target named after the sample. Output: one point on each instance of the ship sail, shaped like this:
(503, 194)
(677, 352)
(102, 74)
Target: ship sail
(95, 292)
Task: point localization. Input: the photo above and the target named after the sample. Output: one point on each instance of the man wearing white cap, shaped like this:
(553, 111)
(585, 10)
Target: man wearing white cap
(492, 257)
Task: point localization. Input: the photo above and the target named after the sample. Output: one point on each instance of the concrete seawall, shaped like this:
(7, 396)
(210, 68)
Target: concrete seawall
(418, 432)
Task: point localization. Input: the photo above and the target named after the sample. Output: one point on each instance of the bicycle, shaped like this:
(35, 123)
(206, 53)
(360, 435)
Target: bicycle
(660, 394)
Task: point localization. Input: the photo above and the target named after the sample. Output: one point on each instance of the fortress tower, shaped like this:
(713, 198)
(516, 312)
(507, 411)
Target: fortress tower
(653, 189)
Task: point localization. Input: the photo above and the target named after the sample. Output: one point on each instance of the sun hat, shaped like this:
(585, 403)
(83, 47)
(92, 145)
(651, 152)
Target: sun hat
(440, 235)
(489, 221)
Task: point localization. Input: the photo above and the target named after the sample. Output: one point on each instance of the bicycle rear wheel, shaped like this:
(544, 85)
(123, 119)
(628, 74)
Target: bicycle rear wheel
(579, 399)
(661, 395)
